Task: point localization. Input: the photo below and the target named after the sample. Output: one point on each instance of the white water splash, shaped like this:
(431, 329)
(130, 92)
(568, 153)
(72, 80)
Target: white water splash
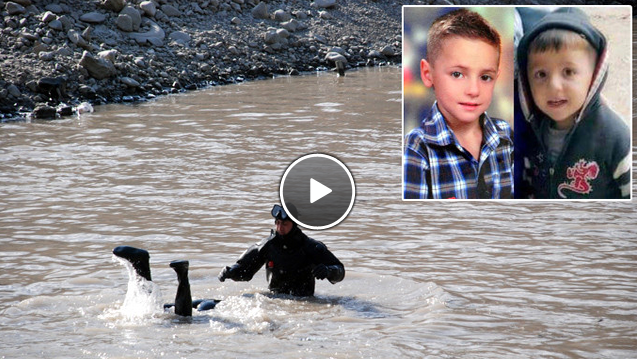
(143, 297)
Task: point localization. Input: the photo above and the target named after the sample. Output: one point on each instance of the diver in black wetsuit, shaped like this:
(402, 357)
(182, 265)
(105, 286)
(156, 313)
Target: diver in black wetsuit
(291, 258)
(184, 304)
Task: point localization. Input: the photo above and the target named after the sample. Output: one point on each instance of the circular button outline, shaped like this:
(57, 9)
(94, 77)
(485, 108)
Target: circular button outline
(351, 182)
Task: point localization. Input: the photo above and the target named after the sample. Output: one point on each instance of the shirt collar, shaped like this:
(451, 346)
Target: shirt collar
(438, 133)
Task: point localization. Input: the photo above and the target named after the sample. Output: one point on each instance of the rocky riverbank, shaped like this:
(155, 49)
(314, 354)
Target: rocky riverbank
(55, 55)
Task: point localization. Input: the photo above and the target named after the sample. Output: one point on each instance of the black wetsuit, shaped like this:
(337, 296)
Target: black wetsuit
(291, 263)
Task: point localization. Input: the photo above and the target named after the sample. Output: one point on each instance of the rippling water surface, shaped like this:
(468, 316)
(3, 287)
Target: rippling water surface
(193, 176)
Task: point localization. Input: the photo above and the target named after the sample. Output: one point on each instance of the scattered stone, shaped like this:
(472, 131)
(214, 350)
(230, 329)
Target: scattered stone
(325, 15)
(271, 37)
(124, 23)
(53, 87)
(14, 8)
(48, 17)
(114, 5)
(292, 25)
(130, 82)
(13, 90)
(134, 15)
(72, 39)
(108, 55)
(335, 57)
(261, 11)
(325, 4)
(46, 55)
(54, 8)
(388, 51)
(65, 110)
(44, 112)
(281, 16)
(96, 67)
(180, 37)
(93, 17)
(56, 25)
(77, 39)
(154, 36)
(139, 61)
(86, 34)
(170, 10)
(374, 54)
(149, 8)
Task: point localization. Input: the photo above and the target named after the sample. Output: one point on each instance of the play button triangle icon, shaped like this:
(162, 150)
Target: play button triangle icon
(318, 190)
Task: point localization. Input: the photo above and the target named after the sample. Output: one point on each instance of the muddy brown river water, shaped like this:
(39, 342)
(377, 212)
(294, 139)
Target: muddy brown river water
(193, 176)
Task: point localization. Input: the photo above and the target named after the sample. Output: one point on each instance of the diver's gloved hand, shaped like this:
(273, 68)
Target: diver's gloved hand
(226, 273)
(321, 271)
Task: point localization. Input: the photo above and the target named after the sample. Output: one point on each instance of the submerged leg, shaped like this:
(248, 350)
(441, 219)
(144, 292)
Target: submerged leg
(139, 258)
(183, 299)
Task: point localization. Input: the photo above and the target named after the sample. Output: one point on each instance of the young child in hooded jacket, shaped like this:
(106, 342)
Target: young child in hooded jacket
(571, 143)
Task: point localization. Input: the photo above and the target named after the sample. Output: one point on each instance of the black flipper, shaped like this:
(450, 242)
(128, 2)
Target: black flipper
(205, 304)
(139, 258)
(199, 304)
(183, 299)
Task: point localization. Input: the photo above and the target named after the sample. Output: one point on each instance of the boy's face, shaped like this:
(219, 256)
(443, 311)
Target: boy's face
(463, 76)
(560, 81)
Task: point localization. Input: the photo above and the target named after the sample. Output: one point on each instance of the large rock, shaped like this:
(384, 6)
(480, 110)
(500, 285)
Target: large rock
(261, 11)
(170, 10)
(124, 23)
(76, 38)
(135, 16)
(14, 8)
(44, 112)
(325, 4)
(180, 37)
(48, 17)
(154, 36)
(108, 55)
(388, 51)
(114, 5)
(281, 16)
(291, 25)
(148, 7)
(97, 68)
(130, 82)
(54, 87)
(335, 57)
(54, 8)
(271, 37)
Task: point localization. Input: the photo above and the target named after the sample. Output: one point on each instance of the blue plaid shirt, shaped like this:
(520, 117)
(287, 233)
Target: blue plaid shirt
(436, 165)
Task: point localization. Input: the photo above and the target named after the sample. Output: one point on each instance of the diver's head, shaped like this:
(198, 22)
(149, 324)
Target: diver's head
(284, 224)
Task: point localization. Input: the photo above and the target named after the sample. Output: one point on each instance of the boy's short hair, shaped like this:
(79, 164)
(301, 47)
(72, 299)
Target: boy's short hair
(461, 23)
(557, 39)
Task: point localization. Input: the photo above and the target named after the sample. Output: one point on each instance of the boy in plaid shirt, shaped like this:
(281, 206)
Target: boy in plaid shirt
(459, 151)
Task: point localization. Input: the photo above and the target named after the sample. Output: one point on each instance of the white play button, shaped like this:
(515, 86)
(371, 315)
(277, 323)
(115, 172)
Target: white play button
(318, 190)
(320, 175)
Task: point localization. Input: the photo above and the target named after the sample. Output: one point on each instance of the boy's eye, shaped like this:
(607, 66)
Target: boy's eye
(569, 72)
(539, 75)
(486, 78)
(456, 74)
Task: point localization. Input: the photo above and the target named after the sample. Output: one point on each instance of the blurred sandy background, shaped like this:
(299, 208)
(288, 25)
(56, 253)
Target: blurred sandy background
(615, 24)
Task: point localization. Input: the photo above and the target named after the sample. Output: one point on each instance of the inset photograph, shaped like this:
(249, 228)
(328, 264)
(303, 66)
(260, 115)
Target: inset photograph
(458, 102)
(573, 109)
